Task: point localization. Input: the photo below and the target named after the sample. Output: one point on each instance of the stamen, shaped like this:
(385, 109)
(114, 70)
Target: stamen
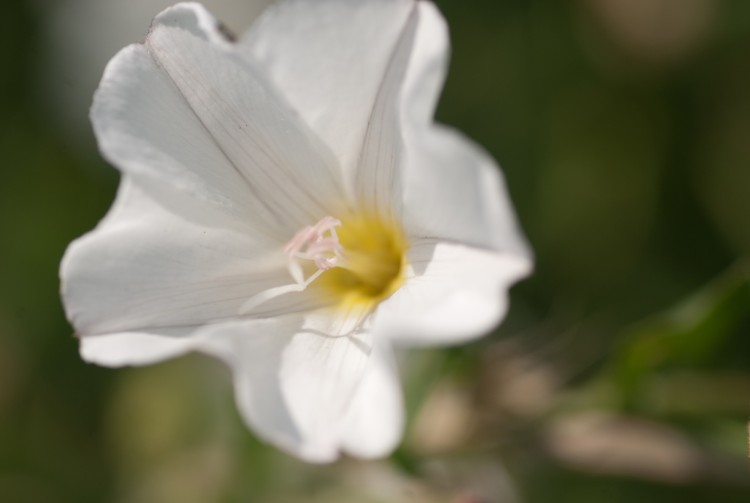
(318, 243)
(365, 257)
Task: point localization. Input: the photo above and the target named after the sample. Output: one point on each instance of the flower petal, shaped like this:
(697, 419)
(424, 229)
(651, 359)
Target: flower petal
(145, 128)
(293, 177)
(136, 348)
(144, 267)
(332, 59)
(456, 293)
(376, 423)
(295, 377)
(186, 113)
(452, 189)
(377, 181)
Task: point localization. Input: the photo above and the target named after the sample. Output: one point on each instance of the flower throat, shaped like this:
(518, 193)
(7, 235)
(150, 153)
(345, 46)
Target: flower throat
(357, 261)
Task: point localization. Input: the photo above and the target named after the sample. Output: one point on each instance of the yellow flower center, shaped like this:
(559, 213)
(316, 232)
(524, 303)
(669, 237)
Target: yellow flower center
(372, 263)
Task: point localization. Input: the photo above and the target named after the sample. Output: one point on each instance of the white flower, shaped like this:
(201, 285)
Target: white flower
(288, 205)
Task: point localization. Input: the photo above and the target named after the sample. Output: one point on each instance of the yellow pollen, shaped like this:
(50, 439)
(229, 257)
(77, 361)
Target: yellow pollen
(372, 263)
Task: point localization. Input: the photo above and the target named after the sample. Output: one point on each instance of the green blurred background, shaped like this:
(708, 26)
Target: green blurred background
(623, 370)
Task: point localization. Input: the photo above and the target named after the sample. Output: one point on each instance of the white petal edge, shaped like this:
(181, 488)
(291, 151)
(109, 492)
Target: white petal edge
(455, 293)
(376, 422)
(135, 348)
(296, 386)
(293, 178)
(191, 119)
(146, 129)
(295, 378)
(144, 267)
(377, 179)
(453, 190)
(329, 59)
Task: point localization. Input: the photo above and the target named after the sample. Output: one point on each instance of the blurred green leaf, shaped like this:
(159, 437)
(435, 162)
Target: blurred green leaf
(702, 332)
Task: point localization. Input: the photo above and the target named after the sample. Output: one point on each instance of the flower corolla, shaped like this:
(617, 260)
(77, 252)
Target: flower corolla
(288, 205)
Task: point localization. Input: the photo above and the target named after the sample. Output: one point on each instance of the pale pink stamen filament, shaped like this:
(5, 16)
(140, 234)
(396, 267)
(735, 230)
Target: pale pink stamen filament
(318, 243)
